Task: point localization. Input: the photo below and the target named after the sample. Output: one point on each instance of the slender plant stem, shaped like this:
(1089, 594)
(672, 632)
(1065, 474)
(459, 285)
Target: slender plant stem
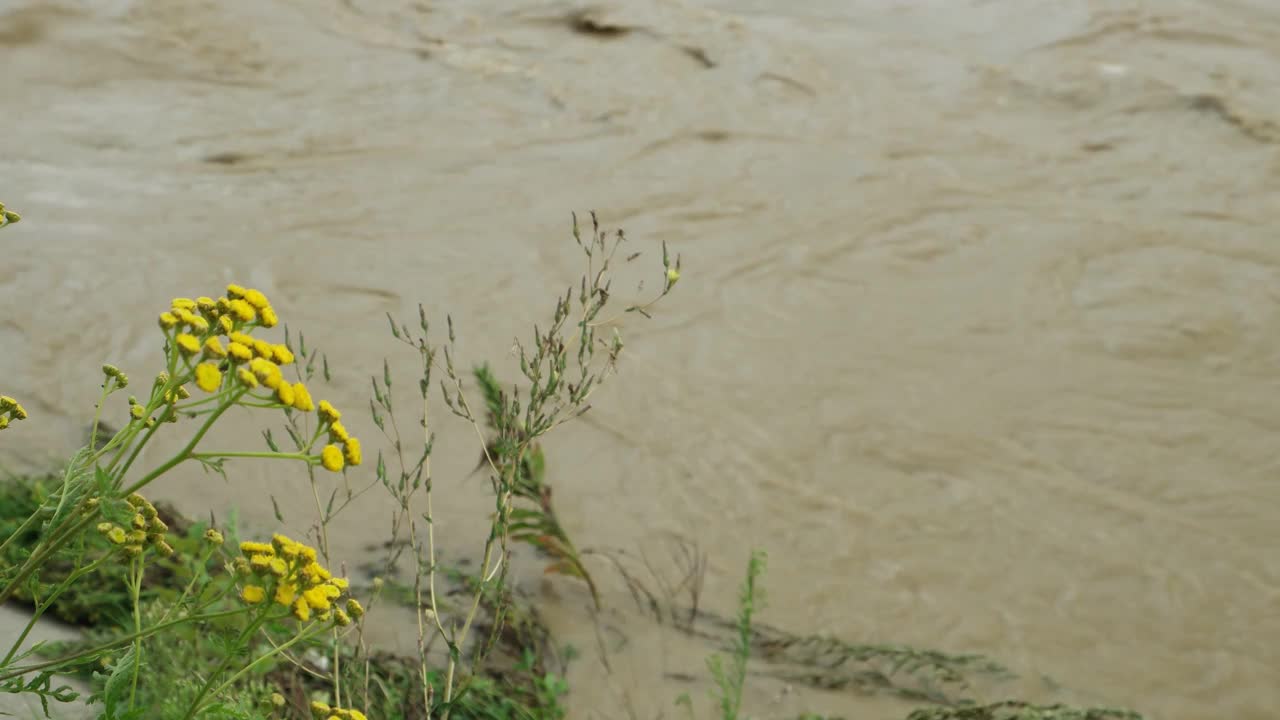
(226, 662)
(135, 590)
(48, 602)
(125, 640)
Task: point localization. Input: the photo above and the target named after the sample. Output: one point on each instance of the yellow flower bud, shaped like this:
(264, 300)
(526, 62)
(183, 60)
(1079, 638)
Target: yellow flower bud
(208, 377)
(329, 412)
(214, 349)
(242, 310)
(213, 537)
(183, 304)
(247, 378)
(226, 323)
(302, 398)
(285, 593)
(239, 353)
(235, 291)
(284, 391)
(168, 321)
(253, 594)
(256, 299)
(351, 451)
(331, 458)
(338, 432)
(282, 354)
(355, 608)
(188, 344)
(269, 317)
(302, 610)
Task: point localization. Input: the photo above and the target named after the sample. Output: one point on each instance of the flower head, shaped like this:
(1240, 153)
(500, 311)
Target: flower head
(188, 344)
(351, 451)
(208, 377)
(329, 412)
(331, 458)
(302, 398)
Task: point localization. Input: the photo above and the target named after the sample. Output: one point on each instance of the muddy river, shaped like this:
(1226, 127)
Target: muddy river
(977, 335)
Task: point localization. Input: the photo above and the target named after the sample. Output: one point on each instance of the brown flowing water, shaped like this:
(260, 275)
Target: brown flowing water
(977, 337)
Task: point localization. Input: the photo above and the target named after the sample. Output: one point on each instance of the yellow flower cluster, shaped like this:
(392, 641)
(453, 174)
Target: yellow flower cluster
(146, 529)
(320, 711)
(8, 217)
(343, 448)
(217, 336)
(287, 571)
(10, 410)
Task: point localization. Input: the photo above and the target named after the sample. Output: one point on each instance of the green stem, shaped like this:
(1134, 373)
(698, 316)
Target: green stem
(195, 576)
(25, 526)
(43, 551)
(186, 451)
(125, 640)
(42, 607)
(304, 634)
(135, 590)
(249, 454)
(226, 661)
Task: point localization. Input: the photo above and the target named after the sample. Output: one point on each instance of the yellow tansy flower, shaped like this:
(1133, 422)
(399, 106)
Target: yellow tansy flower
(302, 398)
(226, 323)
(183, 304)
(316, 598)
(168, 320)
(285, 593)
(302, 610)
(264, 349)
(235, 291)
(243, 338)
(329, 412)
(355, 608)
(338, 432)
(256, 299)
(316, 573)
(318, 708)
(239, 353)
(278, 567)
(284, 391)
(248, 547)
(282, 354)
(247, 378)
(351, 450)
(253, 594)
(267, 372)
(331, 458)
(208, 377)
(188, 344)
(242, 310)
(206, 304)
(198, 323)
(269, 317)
(260, 563)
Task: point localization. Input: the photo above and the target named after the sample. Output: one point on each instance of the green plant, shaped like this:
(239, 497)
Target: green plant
(731, 680)
(267, 607)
